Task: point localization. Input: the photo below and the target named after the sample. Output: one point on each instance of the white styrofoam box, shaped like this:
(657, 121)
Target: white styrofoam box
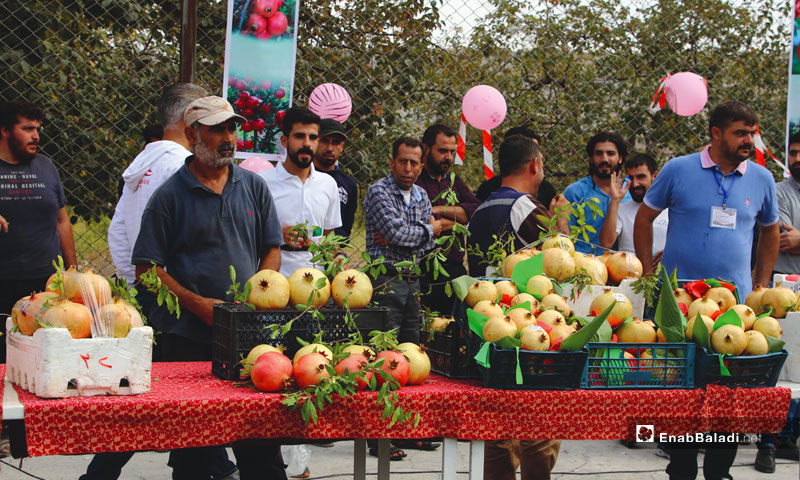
(779, 277)
(791, 335)
(580, 306)
(52, 364)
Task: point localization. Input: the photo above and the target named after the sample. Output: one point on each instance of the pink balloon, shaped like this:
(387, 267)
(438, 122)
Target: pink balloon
(330, 100)
(256, 164)
(686, 92)
(484, 107)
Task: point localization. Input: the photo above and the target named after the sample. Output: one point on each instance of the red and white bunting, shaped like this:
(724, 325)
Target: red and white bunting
(762, 150)
(660, 98)
(488, 163)
(461, 146)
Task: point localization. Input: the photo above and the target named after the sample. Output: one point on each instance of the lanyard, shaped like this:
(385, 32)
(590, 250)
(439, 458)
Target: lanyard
(718, 177)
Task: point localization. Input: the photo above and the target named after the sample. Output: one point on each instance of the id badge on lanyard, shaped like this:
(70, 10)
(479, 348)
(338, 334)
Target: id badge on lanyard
(724, 216)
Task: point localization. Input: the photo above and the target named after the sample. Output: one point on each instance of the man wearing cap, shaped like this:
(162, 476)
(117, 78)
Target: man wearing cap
(439, 148)
(331, 144)
(301, 193)
(208, 216)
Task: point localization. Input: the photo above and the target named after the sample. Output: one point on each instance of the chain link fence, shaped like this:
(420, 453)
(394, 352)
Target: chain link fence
(567, 68)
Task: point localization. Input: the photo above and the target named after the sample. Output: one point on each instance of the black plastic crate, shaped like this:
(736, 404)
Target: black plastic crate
(672, 366)
(237, 329)
(540, 370)
(745, 371)
(449, 353)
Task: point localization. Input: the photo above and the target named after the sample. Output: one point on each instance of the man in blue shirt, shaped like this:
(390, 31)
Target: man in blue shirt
(715, 198)
(607, 152)
(207, 216)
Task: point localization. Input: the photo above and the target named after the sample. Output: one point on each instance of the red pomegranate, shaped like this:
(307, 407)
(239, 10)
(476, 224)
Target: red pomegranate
(310, 369)
(271, 372)
(394, 364)
(354, 363)
(277, 24)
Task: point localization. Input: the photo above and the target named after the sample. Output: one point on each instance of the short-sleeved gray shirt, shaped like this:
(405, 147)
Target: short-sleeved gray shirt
(196, 234)
(788, 193)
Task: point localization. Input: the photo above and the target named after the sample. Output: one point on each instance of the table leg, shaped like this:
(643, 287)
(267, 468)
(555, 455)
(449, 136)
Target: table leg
(384, 449)
(450, 459)
(360, 459)
(476, 460)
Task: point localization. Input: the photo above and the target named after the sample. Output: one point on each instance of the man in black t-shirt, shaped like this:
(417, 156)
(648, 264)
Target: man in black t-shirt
(34, 225)
(331, 144)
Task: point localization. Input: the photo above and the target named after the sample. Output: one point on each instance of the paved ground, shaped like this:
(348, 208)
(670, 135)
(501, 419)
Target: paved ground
(578, 459)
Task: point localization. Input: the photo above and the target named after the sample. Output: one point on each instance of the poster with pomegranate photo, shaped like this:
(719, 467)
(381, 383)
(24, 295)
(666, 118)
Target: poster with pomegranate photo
(793, 109)
(260, 52)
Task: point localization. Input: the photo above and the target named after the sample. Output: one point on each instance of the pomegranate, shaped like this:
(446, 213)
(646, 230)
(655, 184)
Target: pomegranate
(511, 261)
(690, 325)
(395, 365)
(255, 352)
(756, 343)
(525, 297)
(353, 285)
(362, 350)
(505, 287)
(722, 297)
(621, 311)
(729, 339)
(499, 327)
(118, 318)
(557, 302)
(753, 299)
(30, 310)
(438, 324)
(703, 306)
(768, 326)
(530, 252)
(660, 337)
(310, 369)
(266, 8)
(269, 290)
(780, 298)
(522, 317)
(49, 287)
(280, 93)
(534, 338)
(352, 364)
(418, 362)
(313, 348)
(16, 310)
(595, 269)
(73, 316)
(559, 333)
(682, 296)
(488, 308)
(559, 241)
(558, 264)
(278, 24)
(622, 265)
(747, 315)
(303, 284)
(604, 257)
(551, 317)
(87, 282)
(481, 290)
(539, 286)
(636, 331)
(256, 24)
(272, 372)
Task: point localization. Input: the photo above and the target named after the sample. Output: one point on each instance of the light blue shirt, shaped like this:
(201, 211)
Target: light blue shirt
(687, 186)
(582, 191)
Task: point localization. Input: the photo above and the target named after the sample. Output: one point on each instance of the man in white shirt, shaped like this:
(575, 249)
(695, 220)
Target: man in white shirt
(640, 169)
(157, 162)
(301, 193)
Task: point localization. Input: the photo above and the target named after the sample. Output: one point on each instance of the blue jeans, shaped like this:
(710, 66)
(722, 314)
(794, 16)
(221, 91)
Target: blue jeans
(791, 430)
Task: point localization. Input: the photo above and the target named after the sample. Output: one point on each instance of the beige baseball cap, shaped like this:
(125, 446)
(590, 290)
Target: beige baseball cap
(211, 110)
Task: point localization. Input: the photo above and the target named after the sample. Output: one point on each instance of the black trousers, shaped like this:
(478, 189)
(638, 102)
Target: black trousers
(683, 460)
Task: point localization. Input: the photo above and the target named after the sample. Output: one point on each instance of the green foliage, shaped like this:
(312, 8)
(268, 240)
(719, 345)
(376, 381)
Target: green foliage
(151, 281)
(240, 295)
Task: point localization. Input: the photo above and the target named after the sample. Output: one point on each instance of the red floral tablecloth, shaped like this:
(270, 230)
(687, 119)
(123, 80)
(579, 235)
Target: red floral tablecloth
(189, 407)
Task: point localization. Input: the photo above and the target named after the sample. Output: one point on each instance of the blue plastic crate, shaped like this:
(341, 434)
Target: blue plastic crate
(745, 371)
(672, 366)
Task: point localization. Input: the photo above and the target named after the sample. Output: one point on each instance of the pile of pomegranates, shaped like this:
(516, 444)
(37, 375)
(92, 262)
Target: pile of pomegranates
(265, 20)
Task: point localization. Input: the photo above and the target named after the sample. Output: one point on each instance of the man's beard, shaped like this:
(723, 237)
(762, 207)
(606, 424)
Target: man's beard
(736, 156)
(795, 171)
(19, 150)
(638, 195)
(436, 168)
(295, 157)
(214, 159)
(326, 162)
(594, 170)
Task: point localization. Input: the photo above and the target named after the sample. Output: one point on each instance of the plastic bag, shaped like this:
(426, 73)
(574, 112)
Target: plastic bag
(296, 458)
